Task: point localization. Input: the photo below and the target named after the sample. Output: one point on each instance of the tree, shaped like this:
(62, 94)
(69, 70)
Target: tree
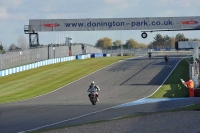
(158, 41)
(180, 36)
(100, 43)
(21, 42)
(12, 47)
(171, 42)
(1, 47)
(131, 43)
(141, 45)
(107, 42)
(150, 45)
(166, 38)
(117, 43)
(104, 43)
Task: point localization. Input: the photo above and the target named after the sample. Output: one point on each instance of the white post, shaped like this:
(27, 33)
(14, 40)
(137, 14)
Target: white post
(195, 70)
(121, 44)
(54, 51)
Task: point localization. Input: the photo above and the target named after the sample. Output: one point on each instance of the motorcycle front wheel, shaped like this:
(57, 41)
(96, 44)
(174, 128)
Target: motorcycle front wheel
(93, 100)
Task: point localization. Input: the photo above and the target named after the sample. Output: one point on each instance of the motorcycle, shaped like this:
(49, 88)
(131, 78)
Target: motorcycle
(93, 98)
(149, 54)
(166, 60)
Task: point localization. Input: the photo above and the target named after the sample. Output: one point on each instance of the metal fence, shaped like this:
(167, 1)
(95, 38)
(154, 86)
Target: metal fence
(22, 57)
(143, 52)
(31, 55)
(27, 56)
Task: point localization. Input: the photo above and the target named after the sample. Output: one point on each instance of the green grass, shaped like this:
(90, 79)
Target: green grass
(173, 88)
(45, 79)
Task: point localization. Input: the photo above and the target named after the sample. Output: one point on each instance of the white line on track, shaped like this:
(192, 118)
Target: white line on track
(65, 120)
(95, 111)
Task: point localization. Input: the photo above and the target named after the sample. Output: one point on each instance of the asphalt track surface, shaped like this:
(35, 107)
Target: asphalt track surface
(123, 82)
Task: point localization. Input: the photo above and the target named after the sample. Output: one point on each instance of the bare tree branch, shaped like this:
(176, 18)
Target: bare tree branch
(21, 42)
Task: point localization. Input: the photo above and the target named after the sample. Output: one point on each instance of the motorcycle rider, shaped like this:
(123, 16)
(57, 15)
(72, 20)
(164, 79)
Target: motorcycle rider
(93, 88)
(190, 85)
(149, 54)
(166, 58)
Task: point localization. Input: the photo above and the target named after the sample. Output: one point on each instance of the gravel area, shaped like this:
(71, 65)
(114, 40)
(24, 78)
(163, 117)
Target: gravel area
(168, 122)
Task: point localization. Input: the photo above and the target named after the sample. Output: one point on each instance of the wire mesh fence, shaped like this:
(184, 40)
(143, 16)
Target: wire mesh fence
(16, 58)
(143, 52)
(26, 56)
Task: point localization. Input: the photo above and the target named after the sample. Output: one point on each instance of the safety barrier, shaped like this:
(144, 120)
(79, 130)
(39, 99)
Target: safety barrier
(48, 62)
(82, 56)
(95, 55)
(106, 55)
(35, 65)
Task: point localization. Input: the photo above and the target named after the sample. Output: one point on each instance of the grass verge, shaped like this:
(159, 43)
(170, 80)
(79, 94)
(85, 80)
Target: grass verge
(45, 79)
(173, 88)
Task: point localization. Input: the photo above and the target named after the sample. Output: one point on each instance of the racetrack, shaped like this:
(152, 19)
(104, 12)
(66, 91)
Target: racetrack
(120, 83)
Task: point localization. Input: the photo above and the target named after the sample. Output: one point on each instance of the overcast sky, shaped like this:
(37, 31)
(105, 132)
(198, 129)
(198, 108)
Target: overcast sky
(14, 14)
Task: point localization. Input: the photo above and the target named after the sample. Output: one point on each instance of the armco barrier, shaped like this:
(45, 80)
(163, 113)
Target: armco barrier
(106, 55)
(87, 56)
(35, 65)
(79, 57)
(95, 55)
(82, 56)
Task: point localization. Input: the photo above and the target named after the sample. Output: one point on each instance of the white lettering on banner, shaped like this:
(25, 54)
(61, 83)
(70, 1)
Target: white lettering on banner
(115, 24)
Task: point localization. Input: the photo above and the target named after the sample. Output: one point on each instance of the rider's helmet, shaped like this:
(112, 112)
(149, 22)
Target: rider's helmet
(92, 83)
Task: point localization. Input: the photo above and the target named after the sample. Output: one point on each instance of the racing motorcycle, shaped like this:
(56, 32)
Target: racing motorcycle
(149, 55)
(93, 98)
(166, 59)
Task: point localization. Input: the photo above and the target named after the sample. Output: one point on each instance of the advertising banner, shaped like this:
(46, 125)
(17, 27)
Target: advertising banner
(40, 25)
